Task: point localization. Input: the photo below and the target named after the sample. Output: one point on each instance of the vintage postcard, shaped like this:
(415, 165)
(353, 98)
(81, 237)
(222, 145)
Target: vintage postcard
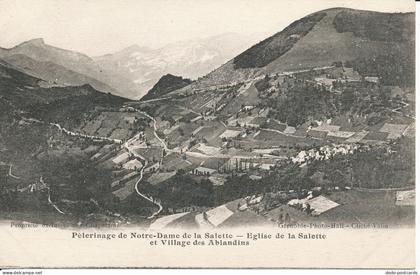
(207, 134)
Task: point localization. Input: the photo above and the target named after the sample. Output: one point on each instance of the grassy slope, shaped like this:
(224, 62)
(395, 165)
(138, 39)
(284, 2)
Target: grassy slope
(275, 46)
(58, 104)
(52, 72)
(27, 145)
(324, 44)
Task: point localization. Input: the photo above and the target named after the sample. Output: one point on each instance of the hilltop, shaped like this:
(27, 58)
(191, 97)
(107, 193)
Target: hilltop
(130, 72)
(68, 104)
(166, 84)
(318, 114)
(60, 67)
(318, 40)
(191, 59)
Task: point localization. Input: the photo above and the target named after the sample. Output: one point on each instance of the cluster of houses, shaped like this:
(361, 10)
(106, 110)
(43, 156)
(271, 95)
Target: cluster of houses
(325, 153)
(124, 161)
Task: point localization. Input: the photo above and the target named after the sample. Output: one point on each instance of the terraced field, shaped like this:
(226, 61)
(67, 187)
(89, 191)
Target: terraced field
(116, 125)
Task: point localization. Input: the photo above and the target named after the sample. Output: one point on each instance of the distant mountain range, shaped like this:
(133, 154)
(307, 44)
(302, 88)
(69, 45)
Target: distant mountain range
(248, 123)
(315, 40)
(129, 73)
(192, 59)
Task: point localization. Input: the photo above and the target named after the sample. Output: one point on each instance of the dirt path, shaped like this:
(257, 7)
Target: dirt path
(71, 133)
(49, 197)
(127, 146)
(10, 173)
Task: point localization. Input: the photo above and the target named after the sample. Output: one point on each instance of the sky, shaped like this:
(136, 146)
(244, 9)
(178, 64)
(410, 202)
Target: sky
(97, 27)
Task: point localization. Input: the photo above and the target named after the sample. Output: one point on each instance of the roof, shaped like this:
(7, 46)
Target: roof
(230, 134)
(321, 204)
(218, 215)
(228, 215)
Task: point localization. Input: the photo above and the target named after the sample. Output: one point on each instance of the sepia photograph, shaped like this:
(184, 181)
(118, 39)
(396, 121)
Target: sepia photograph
(207, 128)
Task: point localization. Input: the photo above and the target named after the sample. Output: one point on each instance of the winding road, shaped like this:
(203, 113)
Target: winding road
(165, 146)
(136, 186)
(127, 146)
(138, 156)
(71, 133)
(49, 197)
(10, 173)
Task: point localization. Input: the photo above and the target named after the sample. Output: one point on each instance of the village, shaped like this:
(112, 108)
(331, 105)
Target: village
(230, 133)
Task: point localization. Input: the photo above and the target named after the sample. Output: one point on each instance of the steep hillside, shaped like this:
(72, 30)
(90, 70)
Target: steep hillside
(349, 67)
(26, 94)
(53, 73)
(39, 151)
(72, 67)
(321, 39)
(376, 26)
(130, 72)
(275, 46)
(333, 39)
(166, 84)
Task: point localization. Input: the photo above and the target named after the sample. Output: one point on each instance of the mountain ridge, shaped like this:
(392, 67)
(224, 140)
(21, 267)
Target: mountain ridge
(165, 85)
(322, 45)
(36, 51)
(130, 72)
(191, 58)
